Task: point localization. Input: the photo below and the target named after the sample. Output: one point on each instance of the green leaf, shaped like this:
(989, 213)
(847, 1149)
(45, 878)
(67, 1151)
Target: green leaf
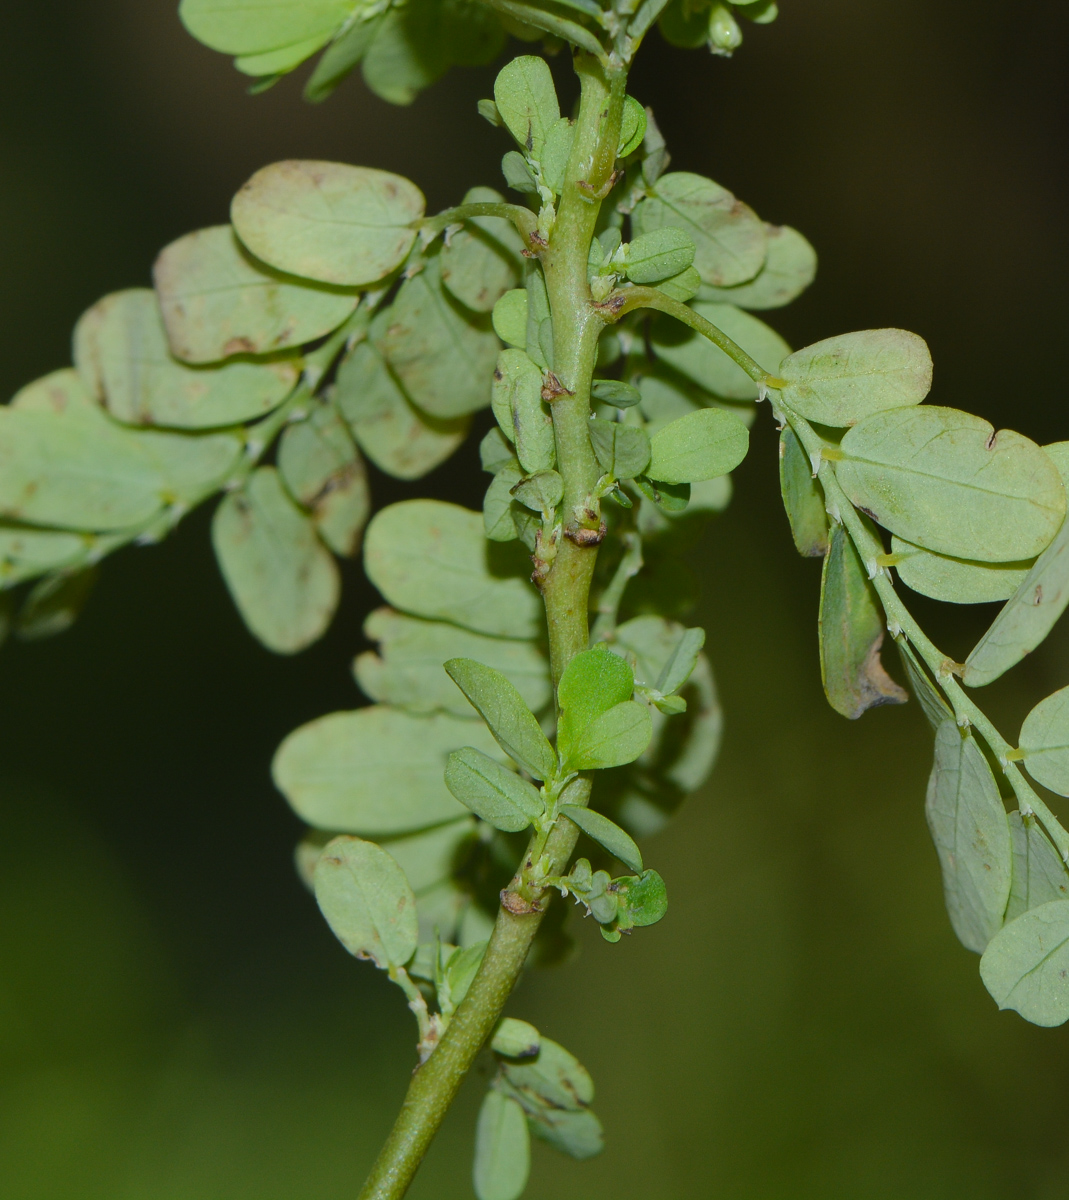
(844, 379)
(681, 662)
(645, 898)
(398, 437)
(1045, 742)
(701, 445)
(502, 1149)
(541, 493)
(511, 722)
(578, 1134)
(972, 837)
(593, 682)
(934, 707)
(1026, 964)
(515, 1039)
(481, 262)
(527, 101)
(255, 26)
(607, 833)
(442, 354)
(851, 634)
(622, 450)
(430, 856)
(553, 1078)
(729, 239)
(946, 481)
(615, 393)
(516, 396)
(1039, 875)
(665, 653)
(518, 174)
(431, 559)
(367, 902)
(510, 318)
(707, 365)
(487, 109)
(790, 267)
(499, 508)
(955, 580)
(331, 222)
(495, 453)
(460, 972)
(26, 553)
(339, 58)
(492, 791)
(613, 740)
(374, 771)
(560, 138)
(669, 497)
(632, 127)
(284, 582)
(682, 287)
(54, 604)
(658, 255)
(539, 320)
(217, 300)
(803, 497)
(122, 355)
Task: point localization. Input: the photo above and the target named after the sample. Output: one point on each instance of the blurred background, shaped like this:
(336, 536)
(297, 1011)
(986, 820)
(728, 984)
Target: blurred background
(176, 1021)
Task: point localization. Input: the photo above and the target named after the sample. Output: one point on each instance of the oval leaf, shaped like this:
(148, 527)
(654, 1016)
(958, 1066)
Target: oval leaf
(1045, 742)
(502, 1149)
(955, 580)
(614, 739)
(1039, 875)
(701, 445)
(1027, 964)
(803, 498)
(607, 833)
(492, 791)
(527, 101)
(790, 267)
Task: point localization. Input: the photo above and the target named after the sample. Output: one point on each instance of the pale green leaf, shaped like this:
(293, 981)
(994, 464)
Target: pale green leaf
(280, 61)
(539, 321)
(510, 318)
(541, 493)
(431, 559)
(255, 26)
(502, 1149)
(527, 101)
(1039, 875)
(331, 222)
(340, 57)
(931, 700)
(613, 739)
(593, 682)
(430, 856)
(578, 1134)
(515, 1039)
(681, 661)
(560, 137)
(553, 1078)
(701, 445)
(1045, 742)
(596, 825)
(790, 267)
(499, 508)
(622, 450)
(516, 396)
(495, 453)
(55, 603)
(26, 553)
(972, 836)
(481, 262)
(632, 127)
(492, 791)
(947, 481)
(282, 579)
(517, 173)
(803, 498)
(658, 255)
(460, 972)
(1026, 965)
(682, 287)
(955, 580)
(615, 393)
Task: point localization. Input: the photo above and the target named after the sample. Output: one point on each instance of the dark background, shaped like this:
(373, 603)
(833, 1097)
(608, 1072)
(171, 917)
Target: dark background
(176, 1023)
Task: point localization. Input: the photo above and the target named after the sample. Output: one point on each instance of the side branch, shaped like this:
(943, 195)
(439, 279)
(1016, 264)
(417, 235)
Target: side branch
(539, 18)
(524, 220)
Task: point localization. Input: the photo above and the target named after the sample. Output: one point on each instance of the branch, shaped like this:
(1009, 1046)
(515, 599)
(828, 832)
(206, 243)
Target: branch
(524, 220)
(568, 31)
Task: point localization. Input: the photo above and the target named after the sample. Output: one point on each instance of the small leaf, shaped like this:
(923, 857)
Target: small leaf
(515, 1039)
(527, 101)
(851, 634)
(27, 553)
(539, 321)
(510, 318)
(593, 682)
(622, 450)
(658, 255)
(502, 1149)
(955, 580)
(1045, 742)
(331, 222)
(541, 492)
(578, 1134)
(518, 174)
(560, 138)
(681, 662)
(645, 898)
(481, 262)
(614, 739)
(495, 453)
(256, 26)
(1025, 966)
(492, 791)
(615, 393)
(554, 1078)
(632, 127)
(971, 835)
(931, 700)
(682, 287)
(367, 901)
(54, 604)
(1039, 875)
(607, 833)
(702, 445)
(460, 972)
(339, 58)
(669, 497)
(516, 397)
(790, 267)
(488, 110)
(499, 508)
(803, 497)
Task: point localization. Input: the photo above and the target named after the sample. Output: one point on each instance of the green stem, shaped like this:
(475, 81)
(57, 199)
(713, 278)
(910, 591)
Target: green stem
(524, 220)
(539, 18)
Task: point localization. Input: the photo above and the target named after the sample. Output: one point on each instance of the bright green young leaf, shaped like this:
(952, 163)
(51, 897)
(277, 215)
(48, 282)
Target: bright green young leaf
(1026, 965)
(501, 706)
(256, 26)
(54, 604)
(1039, 875)
(658, 255)
(615, 393)
(593, 682)
(527, 101)
(499, 507)
(614, 739)
(645, 899)
(947, 481)
(541, 492)
(331, 222)
(442, 354)
(502, 1149)
(509, 318)
(972, 837)
(701, 445)
(398, 437)
(374, 771)
(282, 579)
(844, 379)
(931, 700)
(803, 498)
(217, 300)
(515, 1039)
(594, 824)
(560, 137)
(622, 450)
(851, 634)
(728, 237)
(431, 559)
(492, 791)
(516, 397)
(495, 453)
(481, 262)
(632, 127)
(954, 580)
(367, 901)
(122, 355)
(790, 267)
(1045, 742)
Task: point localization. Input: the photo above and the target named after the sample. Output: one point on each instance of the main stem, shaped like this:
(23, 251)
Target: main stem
(577, 322)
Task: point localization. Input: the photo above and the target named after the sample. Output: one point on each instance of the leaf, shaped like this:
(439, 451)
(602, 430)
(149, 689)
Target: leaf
(510, 318)
(955, 580)
(332, 222)
(1045, 742)
(367, 901)
(430, 559)
(502, 1149)
(662, 650)
(931, 700)
(593, 682)
(682, 287)
(511, 722)
(553, 1078)
(645, 898)
(284, 582)
(578, 1134)
(255, 26)
(26, 553)
(515, 1039)
(1039, 875)
(669, 497)
(54, 604)
(518, 174)
(527, 101)
(790, 267)
(560, 137)
(972, 837)
(615, 738)
(844, 379)
(430, 856)
(701, 445)
(443, 355)
(615, 393)
(373, 771)
(460, 972)
(851, 634)
(217, 300)
(339, 58)
(607, 833)
(658, 255)
(707, 365)
(622, 450)
(541, 493)
(538, 316)
(499, 508)
(516, 396)
(681, 662)
(492, 791)
(729, 238)
(1026, 965)
(803, 498)
(946, 481)
(481, 262)
(495, 453)
(632, 127)
(399, 438)
(122, 355)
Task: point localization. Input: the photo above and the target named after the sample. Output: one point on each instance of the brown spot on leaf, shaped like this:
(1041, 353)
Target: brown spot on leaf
(238, 345)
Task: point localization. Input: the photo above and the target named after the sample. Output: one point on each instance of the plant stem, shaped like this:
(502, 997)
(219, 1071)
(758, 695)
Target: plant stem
(524, 220)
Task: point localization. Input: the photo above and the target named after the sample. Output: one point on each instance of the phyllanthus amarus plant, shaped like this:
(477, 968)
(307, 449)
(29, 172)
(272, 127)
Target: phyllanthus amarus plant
(533, 690)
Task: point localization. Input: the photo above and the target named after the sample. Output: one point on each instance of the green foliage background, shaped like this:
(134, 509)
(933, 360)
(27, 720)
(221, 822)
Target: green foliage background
(176, 1021)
